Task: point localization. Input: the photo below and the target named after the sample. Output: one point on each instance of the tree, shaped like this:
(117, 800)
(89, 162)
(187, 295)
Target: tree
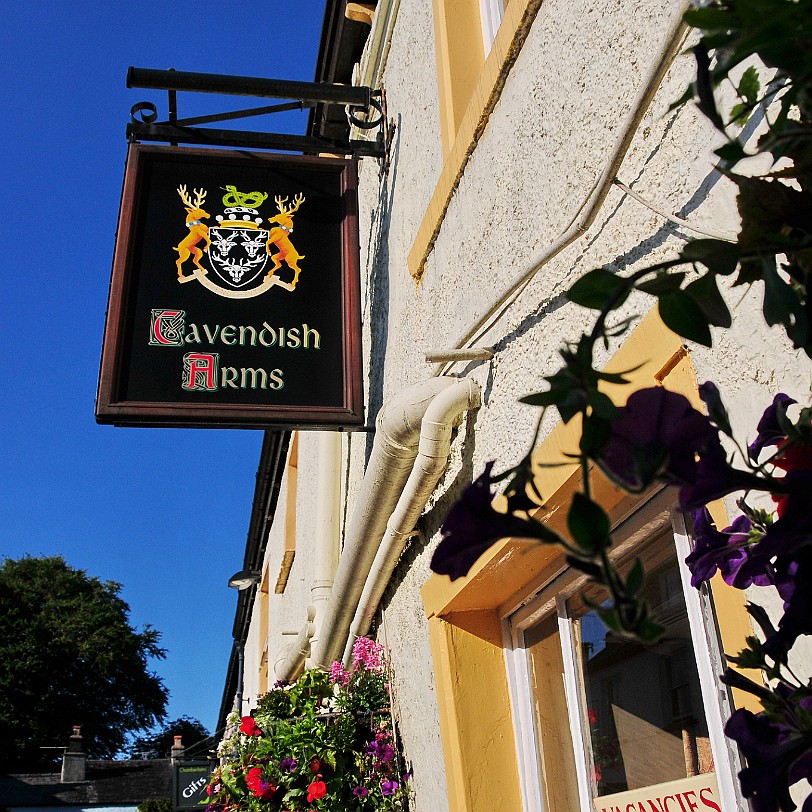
(68, 656)
(159, 745)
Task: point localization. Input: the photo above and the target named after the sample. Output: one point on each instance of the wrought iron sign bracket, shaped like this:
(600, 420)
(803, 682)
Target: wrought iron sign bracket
(364, 110)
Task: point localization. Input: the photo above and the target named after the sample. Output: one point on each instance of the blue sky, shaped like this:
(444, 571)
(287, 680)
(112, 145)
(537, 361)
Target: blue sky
(164, 512)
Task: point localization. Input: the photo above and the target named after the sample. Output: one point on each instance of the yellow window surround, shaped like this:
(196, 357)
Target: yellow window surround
(464, 613)
(469, 86)
(289, 553)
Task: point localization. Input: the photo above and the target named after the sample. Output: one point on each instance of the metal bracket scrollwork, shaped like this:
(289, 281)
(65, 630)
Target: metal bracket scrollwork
(144, 125)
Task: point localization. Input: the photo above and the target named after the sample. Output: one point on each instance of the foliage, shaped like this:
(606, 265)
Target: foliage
(762, 51)
(325, 742)
(194, 737)
(158, 805)
(68, 656)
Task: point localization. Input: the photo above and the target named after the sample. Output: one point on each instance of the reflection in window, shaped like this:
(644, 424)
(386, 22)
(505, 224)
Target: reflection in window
(644, 707)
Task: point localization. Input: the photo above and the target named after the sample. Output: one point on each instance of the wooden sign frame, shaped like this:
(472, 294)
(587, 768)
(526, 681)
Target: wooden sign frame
(187, 345)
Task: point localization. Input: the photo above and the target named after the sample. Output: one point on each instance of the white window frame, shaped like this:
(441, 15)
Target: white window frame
(490, 13)
(552, 597)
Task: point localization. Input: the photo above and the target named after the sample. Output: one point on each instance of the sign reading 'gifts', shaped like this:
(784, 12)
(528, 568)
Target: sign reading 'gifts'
(234, 298)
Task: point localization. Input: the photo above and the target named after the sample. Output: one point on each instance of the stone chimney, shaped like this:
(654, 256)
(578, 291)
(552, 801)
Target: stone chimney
(74, 760)
(177, 750)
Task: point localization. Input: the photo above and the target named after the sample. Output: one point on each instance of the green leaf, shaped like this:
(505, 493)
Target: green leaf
(732, 152)
(649, 631)
(749, 86)
(547, 398)
(718, 256)
(781, 303)
(596, 288)
(634, 580)
(587, 523)
(740, 113)
(595, 435)
(705, 292)
(681, 314)
(602, 405)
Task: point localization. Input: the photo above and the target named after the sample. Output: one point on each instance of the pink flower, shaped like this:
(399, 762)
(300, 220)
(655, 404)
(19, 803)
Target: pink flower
(368, 653)
(338, 674)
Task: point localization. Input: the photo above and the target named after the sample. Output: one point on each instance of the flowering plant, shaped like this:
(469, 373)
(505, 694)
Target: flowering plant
(326, 741)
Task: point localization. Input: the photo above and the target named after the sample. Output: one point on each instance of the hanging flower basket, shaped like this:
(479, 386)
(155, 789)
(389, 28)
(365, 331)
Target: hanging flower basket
(325, 742)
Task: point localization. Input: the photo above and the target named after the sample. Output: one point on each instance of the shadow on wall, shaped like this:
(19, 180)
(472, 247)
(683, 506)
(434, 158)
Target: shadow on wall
(377, 303)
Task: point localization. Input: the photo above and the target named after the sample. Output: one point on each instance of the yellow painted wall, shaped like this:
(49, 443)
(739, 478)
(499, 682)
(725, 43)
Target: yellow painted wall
(476, 723)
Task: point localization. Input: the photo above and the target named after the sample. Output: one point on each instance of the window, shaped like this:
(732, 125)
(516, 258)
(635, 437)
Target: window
(490, 12)
(602, 721)
(642, 699)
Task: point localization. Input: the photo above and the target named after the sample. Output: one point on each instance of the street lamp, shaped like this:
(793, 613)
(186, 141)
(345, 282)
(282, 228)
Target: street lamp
(244, 579)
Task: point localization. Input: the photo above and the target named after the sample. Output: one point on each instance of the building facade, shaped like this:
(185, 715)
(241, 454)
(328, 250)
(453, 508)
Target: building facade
(529, 143)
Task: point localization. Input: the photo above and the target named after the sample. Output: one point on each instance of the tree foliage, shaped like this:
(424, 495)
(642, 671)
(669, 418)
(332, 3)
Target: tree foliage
(68, 656)
(159, 745)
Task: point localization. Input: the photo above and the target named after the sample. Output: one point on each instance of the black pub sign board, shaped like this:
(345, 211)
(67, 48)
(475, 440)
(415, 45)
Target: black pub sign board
(234, 299)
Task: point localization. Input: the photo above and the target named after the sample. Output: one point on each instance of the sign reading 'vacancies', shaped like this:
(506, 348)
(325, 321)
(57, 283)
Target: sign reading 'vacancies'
(234, 298)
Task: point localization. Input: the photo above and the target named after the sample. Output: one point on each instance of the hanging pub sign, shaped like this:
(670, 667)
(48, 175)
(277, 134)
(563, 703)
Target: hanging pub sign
(234, 298)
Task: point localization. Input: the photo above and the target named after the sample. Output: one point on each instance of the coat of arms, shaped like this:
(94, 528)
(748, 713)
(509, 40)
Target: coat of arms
(238, 248)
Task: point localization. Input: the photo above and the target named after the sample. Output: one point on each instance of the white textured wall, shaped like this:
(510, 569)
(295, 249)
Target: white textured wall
(544, 148)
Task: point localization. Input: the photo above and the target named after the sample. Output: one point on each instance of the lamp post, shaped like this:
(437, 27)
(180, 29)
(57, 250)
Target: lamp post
(244, 579)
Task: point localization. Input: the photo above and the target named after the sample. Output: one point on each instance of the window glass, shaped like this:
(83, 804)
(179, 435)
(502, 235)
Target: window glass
(644, 715)
(491, 12)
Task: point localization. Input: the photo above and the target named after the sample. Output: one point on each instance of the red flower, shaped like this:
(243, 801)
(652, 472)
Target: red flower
(259, 786)
(250, 727)
(315, 765)
(316, 790)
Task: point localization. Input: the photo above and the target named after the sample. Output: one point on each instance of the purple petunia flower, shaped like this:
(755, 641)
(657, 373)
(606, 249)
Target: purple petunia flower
(656, 435)
(381, 750)
(389, 787)
(288, 764)
(725, 550)
(472, 526)
(360, 792)
(714, 478)
(769, 427)
(778, 753)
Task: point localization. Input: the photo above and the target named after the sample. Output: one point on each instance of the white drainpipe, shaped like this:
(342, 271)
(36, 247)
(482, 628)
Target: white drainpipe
(328, 520)
(398, 431)
(292, 657)
(434, 447)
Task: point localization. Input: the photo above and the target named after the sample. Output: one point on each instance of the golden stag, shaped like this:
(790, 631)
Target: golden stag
(279, 237)
(198, 230)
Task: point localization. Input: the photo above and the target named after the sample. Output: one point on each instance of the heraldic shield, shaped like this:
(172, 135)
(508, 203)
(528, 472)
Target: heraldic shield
(237, 252)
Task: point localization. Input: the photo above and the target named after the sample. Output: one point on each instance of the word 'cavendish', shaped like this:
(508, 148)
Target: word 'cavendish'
(168, 328)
